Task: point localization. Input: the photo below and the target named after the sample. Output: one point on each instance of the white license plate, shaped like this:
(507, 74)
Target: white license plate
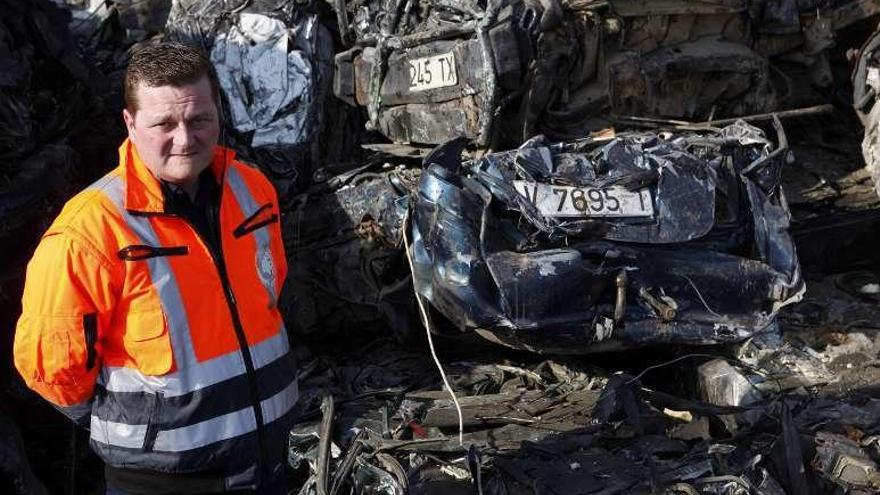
(568, 201)
(437, 71)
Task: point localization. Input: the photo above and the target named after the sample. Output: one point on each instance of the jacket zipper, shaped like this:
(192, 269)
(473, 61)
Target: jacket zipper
(220, 264)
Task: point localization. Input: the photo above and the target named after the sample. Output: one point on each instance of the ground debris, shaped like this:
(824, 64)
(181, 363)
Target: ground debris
(752, 419)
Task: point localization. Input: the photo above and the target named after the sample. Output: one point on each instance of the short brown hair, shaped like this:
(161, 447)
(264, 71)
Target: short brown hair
(167, 64)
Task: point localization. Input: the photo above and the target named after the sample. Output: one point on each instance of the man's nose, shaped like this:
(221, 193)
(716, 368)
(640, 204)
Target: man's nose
(184, 136)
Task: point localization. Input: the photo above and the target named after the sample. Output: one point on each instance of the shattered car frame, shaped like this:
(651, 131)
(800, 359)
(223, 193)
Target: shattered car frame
(712, 262)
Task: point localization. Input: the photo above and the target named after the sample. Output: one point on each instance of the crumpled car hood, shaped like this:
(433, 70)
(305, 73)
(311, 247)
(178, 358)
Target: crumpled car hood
(709, 259)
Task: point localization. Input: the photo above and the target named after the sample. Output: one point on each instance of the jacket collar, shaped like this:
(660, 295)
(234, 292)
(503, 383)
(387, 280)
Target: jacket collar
(143, 191)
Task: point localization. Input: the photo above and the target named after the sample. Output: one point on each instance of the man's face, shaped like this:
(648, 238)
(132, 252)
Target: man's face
(175, 129)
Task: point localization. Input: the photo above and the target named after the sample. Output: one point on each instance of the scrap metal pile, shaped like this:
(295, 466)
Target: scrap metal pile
(347, 246)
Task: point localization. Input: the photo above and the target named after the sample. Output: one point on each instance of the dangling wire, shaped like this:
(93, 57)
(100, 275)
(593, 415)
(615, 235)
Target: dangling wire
(700, 295)
(427, 325)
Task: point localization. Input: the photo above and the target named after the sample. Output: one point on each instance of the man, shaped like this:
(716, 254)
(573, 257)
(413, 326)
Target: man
(149, 310)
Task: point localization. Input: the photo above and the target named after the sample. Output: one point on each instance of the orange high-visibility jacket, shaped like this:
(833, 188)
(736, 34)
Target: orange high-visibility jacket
(180, 357)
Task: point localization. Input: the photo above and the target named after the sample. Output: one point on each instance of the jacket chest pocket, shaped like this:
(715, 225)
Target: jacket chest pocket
(147, 341)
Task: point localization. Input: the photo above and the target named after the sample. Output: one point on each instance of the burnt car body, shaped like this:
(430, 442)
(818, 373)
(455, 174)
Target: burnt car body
(643, 239)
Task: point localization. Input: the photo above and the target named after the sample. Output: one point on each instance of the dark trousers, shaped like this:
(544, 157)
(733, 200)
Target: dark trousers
(273, 487)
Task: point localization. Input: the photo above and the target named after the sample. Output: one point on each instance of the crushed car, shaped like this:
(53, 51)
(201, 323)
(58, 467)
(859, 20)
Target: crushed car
(640, 239)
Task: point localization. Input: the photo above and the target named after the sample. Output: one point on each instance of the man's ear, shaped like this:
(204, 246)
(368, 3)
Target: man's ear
(128, 117)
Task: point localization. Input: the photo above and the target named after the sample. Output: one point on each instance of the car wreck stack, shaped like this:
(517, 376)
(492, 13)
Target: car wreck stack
(499, 72)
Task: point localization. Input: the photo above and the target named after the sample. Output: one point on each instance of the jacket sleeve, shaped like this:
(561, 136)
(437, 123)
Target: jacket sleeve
(66, 301)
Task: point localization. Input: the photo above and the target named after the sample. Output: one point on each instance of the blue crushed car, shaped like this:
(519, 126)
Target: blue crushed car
(595, 245)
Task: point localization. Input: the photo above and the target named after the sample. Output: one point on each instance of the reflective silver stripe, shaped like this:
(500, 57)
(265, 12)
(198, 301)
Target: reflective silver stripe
(248, 207)
(118, 434)
(227, 426)
(119, 379)
(270, 349)
(197, 435)
(279, 404)
(198, 376)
